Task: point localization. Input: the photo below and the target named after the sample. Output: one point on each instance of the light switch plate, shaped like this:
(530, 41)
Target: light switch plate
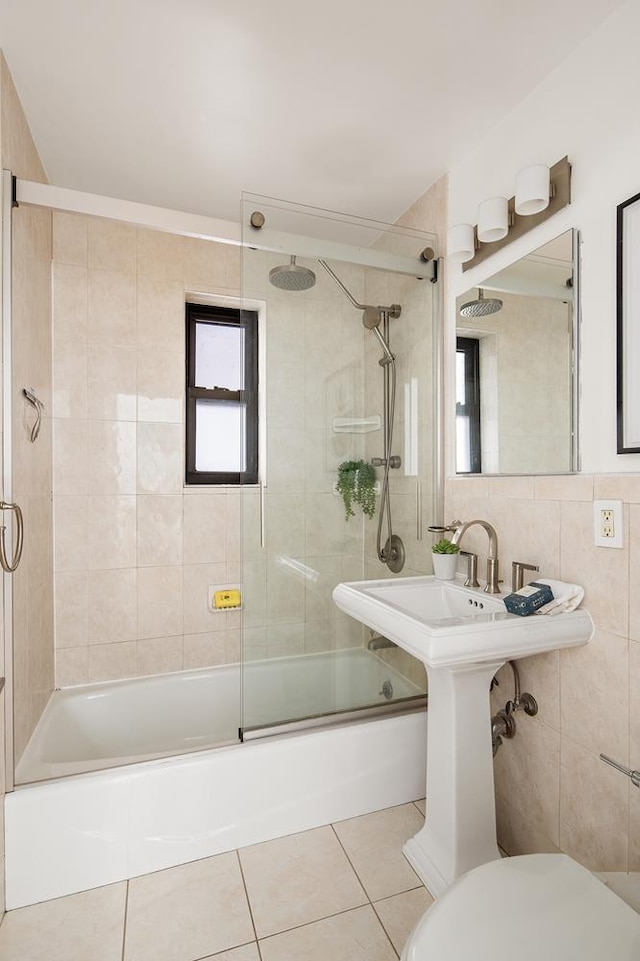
(607, 523)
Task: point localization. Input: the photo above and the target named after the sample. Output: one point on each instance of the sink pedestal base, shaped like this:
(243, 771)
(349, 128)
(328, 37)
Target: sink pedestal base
(460, 829)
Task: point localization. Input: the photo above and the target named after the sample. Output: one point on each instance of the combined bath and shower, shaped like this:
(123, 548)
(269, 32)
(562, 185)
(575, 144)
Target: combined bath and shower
(294, 276)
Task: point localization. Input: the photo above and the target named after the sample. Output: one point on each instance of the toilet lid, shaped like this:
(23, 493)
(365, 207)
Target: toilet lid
(531, 907)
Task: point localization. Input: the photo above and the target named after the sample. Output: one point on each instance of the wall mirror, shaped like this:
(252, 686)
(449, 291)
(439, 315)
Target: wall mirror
(516, 370)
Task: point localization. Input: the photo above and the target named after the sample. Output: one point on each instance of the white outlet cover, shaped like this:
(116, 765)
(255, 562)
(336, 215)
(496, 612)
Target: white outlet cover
(618, 520)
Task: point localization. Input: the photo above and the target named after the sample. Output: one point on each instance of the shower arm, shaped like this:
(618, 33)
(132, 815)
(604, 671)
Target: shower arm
(342, 287)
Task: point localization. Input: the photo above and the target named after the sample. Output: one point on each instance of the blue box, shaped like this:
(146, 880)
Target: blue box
(528, 599)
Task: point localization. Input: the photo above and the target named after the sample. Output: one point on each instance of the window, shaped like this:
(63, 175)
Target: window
(468, 459)
(222, 395)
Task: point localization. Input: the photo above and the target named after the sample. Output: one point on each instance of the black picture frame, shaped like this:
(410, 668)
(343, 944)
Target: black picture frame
(628, 325)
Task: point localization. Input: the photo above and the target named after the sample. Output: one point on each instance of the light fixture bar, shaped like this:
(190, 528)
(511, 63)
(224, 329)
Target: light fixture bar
(560, 190)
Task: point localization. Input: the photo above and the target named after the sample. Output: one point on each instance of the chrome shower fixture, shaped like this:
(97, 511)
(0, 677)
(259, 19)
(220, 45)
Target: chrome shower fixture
(481, 307)
(292, 276)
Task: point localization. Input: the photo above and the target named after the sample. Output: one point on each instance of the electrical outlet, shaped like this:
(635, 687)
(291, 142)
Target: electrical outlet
(607, 523)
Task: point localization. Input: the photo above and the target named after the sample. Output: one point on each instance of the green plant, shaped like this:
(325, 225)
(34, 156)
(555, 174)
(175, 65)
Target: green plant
(445, 547)
(356, 484)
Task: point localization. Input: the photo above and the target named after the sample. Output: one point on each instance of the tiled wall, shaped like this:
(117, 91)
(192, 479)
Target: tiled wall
(134, 551)
(552, 790)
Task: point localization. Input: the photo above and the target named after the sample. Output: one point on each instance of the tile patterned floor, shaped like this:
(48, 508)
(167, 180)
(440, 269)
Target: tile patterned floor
(343, 892)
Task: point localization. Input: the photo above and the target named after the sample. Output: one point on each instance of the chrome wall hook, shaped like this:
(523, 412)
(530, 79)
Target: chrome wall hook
(38, 406)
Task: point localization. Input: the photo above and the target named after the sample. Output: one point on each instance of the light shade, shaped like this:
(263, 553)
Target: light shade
(532, 190)
(460, 243)
(493, 219)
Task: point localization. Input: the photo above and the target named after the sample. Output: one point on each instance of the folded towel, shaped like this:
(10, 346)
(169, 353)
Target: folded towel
(566, 597)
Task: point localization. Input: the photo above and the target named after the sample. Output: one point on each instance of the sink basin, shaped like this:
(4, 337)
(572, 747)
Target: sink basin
(443, 623)
(463, 636)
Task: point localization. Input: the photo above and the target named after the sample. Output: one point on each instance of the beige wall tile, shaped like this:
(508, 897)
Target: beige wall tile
(634, 829)
(527, 771)
(72, 533)
(203, 264)
(210, 650)
(111, 382)
(595, 696)
(111, 457)
(112, 606)
(634, 704)
(518, 487)
(111, 537)
(159, 536)
(205, 529)
(160, 385)
(70, 239)
(160, 459)
(159, 655)
(72, 666)
(159, 255)
(634, 562)
(516, 834)
(604, 573)
(70, 380)
(110, 662)
(112, 308)
(70, 304)
(71, 460)
(71, 614)
(161, 313)
(159, 601)
(576, 487)
(594, 810)
(625, 487)
(111, 245)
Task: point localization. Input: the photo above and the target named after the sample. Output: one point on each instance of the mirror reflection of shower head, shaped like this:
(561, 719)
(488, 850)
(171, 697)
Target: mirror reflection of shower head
(292, 276)
(481, 307)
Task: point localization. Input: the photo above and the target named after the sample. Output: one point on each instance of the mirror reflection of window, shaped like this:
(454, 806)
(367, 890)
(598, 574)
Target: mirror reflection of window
(524, 322)
(468, 449)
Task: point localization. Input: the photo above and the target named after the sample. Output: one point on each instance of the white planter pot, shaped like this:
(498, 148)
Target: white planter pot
(444, 566)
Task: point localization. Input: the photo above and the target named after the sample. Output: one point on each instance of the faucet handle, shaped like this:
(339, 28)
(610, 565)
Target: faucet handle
(517, 574)
(442, 529)
(472, 568)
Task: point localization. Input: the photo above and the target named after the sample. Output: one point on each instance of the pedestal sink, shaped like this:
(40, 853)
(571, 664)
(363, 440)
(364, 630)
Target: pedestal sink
(463, 636)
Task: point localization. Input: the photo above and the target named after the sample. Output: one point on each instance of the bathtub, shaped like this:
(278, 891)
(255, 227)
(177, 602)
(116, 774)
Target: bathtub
(150, 811)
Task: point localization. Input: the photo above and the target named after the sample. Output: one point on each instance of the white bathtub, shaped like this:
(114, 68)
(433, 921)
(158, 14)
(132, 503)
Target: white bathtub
(79, 832)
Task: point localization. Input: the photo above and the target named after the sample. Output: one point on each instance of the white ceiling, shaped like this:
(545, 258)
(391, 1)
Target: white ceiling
(354, 105)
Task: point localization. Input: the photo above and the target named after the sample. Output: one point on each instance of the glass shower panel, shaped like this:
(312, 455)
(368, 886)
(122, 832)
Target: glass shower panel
(321, 405)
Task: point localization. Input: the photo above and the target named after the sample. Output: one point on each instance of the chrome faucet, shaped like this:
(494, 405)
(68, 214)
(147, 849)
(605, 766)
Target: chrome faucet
(492, 585)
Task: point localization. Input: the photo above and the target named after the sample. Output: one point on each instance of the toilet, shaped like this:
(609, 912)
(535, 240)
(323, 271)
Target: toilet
(538, 906)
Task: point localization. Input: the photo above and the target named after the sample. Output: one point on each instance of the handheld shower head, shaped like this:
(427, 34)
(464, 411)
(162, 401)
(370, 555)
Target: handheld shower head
(292, 276)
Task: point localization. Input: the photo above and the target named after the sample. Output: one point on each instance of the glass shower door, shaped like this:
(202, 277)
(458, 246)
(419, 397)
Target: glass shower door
(320, 405)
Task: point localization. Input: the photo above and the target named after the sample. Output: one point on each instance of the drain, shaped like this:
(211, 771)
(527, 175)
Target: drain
(387, 690)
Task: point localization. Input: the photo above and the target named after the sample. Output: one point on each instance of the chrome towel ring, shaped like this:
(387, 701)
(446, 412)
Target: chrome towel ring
(9, 568)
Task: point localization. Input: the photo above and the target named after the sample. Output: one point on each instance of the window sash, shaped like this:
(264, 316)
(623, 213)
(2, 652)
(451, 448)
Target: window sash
(223, 316)
(468, 413)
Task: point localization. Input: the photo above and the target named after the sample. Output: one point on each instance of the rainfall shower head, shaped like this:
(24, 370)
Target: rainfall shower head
(481, 307)
(292, 277)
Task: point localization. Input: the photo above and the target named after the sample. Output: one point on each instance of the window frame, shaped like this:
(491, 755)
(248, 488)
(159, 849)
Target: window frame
(222, 317)
(470, 348)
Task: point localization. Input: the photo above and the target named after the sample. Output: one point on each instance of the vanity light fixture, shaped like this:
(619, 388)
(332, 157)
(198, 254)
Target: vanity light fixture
(460, 243)
(532, 190)
(541, 192)
(493, 220)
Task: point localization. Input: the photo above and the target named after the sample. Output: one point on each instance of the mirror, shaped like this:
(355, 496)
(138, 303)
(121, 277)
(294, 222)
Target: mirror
(516, 378)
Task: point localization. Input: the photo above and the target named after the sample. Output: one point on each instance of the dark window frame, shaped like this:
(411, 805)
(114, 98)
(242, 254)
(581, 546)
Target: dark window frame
(223, 317)
(470, 347)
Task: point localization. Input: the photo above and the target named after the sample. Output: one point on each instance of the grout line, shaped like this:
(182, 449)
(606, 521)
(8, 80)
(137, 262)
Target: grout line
(353, 868)
(126, 915)
(382, 925)
(246, 894)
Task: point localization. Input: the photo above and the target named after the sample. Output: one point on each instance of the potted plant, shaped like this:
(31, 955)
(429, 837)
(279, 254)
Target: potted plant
(445, 559)
(357, 485)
